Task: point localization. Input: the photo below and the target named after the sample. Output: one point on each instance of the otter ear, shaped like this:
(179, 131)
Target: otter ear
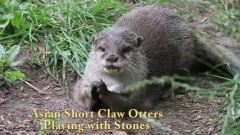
(139, 41)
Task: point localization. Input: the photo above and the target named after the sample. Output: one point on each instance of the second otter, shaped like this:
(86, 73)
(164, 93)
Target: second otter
(148, 41)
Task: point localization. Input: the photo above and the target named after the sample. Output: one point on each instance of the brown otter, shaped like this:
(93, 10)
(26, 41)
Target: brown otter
(148, 41)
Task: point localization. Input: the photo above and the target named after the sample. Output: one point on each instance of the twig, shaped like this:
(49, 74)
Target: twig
(203, 20)
(39, 91)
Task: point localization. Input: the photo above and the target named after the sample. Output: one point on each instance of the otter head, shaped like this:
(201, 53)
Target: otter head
(116, 49)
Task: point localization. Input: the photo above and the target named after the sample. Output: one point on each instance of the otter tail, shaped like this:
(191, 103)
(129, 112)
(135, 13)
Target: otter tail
(210, 55)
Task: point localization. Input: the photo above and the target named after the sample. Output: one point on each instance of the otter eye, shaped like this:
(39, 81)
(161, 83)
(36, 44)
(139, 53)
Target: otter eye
(101, 49)
(126, 50)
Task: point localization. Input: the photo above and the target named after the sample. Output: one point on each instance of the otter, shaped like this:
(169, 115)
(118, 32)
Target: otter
(145, 42)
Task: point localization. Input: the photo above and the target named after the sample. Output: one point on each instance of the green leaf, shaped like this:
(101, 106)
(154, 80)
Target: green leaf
(8, 16)
(4, 61)
(228, 83)
(17, 18)
(236, 113)
(3, 25)
(14, 75)
(100, 7)
(2, 51)
(10, 76)
(18, 74)
(184, 12)
(12, 52)
(65, 53)
(2, 3)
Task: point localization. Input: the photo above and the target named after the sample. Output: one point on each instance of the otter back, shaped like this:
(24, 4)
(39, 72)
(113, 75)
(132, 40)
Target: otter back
(168, 41)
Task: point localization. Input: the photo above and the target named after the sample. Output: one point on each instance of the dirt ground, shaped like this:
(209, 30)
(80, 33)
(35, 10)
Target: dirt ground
(185, 114)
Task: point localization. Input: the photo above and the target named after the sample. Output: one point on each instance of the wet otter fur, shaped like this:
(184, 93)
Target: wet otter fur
(147, 41)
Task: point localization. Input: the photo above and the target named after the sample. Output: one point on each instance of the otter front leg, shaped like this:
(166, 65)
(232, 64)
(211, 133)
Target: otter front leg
(85, 96)
(119, 102)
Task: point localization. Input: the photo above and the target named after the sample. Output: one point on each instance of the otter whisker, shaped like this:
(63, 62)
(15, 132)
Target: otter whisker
(129, 72)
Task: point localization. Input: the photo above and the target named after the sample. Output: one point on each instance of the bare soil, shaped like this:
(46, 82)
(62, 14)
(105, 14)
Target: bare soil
(184, 114)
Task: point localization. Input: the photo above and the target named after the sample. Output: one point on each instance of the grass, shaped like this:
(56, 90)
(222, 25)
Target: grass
(61, 28)
(59, 33)
(227, 21)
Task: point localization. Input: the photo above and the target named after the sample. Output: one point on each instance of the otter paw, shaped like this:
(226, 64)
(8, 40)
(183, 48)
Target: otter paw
(102, 85)
(102, 89)
(95, 95)
(99, 89)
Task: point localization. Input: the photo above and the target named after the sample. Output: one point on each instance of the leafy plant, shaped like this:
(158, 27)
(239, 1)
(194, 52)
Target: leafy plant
(6, 62)
(63, 27)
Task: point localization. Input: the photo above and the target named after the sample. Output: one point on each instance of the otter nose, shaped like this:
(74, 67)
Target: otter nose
(112, 58)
